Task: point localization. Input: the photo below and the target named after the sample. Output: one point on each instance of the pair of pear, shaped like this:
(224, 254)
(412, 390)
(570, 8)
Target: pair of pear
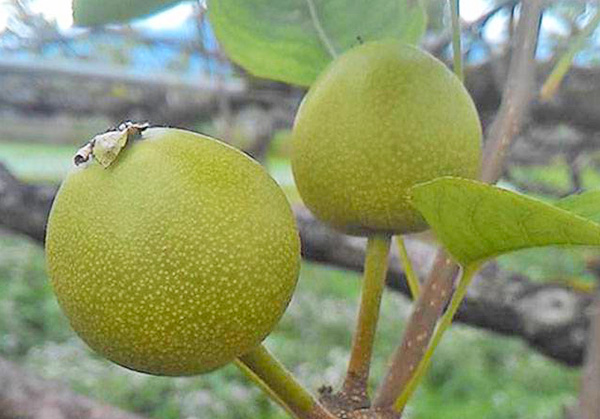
(179, 253)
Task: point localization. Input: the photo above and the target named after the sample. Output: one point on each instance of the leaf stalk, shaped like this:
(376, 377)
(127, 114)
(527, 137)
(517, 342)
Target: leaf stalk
(411, 277)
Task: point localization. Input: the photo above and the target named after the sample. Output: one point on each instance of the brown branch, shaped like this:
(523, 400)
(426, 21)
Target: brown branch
(428, 307)
(518, 92)
(24, 395)
(24, 207)
(439, 286)
(48, 89)
(60, 90)
(589, 396)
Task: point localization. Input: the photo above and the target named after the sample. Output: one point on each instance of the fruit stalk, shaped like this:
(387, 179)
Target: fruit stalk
(376, 263)
(281, 385)
(250, 375)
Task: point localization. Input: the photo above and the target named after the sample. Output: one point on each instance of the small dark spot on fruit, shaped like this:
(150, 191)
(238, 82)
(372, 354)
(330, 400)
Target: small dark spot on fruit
(79, 159)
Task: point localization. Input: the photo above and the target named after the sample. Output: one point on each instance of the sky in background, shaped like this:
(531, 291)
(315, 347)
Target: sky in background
(60, 10)
(173, 18)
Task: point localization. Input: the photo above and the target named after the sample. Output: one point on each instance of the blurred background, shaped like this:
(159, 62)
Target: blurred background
(60, 85)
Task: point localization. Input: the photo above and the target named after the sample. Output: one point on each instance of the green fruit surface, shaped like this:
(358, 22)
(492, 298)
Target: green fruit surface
(381, 118)
(176, 259)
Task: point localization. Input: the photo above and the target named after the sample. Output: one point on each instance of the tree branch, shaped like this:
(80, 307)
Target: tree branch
(589, 397)
(24, 207)
(518, 92)
(49, 90)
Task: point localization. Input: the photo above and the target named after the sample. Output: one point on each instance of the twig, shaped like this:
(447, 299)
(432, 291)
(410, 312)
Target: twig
(517, 94)
(319, 28)
(434, 297)
(561, 68)
(456, 50)
(438, 288)
(445, 322)
(574, 173)
(440, 42)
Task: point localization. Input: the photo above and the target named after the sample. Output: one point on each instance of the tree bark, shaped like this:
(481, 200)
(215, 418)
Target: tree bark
(51, 89)
(589, 397)
(24, 207)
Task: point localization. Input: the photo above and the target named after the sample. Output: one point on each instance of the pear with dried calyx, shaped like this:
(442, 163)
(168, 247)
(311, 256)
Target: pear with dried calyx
(170, 252)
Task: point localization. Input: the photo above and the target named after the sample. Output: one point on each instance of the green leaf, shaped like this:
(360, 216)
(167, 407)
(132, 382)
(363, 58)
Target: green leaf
(586, 204)
(477, 221)
(283, 40)
(101, 12)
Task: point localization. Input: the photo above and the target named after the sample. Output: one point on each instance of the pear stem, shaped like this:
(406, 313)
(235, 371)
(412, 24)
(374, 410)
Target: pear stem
(277, 382)
(264, 387)
(376, 263)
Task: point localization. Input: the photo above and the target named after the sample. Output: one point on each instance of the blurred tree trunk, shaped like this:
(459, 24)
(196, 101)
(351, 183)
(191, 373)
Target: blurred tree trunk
(589, 398)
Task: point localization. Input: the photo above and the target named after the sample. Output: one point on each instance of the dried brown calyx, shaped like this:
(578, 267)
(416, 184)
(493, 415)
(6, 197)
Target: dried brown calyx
(105, 148)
